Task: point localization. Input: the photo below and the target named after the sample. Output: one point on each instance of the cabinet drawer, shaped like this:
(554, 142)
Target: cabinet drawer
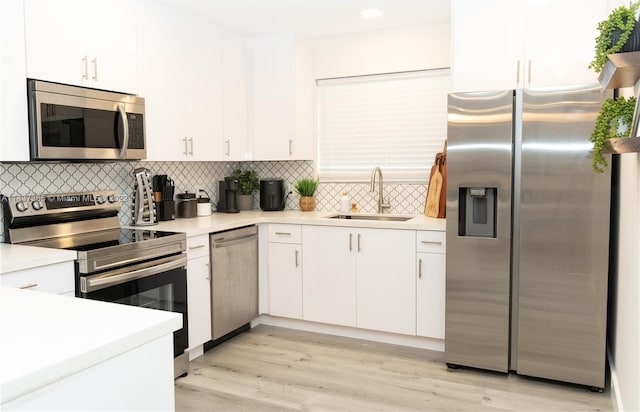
(431, 241)
(197, 246)
(57, 278)
(285, 233)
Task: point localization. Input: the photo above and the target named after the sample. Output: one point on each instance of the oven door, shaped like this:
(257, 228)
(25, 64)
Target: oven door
(158, 284)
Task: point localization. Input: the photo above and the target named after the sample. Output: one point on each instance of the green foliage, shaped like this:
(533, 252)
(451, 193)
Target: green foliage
(247, 180)
(305, 187)
(613, 112)
(622, 18)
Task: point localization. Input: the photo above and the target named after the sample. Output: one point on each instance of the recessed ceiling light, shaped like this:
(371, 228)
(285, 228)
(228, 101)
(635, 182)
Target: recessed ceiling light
(370, 13)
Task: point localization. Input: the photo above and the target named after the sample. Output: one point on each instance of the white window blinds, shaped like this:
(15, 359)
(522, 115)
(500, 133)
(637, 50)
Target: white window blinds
(395, 121)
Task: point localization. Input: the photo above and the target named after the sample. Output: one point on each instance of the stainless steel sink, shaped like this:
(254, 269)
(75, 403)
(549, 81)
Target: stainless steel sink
(384, 218)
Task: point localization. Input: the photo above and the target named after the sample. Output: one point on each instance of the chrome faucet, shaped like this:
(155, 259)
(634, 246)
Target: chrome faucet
(381, 204)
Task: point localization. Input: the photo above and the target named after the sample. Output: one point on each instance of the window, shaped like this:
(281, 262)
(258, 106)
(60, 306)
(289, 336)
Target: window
(395, 121)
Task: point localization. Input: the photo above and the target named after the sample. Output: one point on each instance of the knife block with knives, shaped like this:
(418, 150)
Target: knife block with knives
(163, 191)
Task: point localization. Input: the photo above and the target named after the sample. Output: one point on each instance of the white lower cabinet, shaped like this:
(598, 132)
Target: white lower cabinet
(285, 270)
(198, 290)
(430, 292)
(57, 278)
(359, 277)
(329, 276)
(285, 280)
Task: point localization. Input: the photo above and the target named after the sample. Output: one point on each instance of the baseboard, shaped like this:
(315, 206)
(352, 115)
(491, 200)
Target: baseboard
(616, 399)
(436, 345)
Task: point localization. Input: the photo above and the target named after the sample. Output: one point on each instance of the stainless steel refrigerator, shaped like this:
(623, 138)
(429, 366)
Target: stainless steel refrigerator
(527, 235)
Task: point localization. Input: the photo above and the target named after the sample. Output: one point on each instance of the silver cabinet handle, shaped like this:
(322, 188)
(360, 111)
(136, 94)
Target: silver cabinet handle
(518, 72)
(228, 143)
(350, 242)
(186, 151)
(297, 262)
(196, 247)
(290, 147)
(359, 242)
(28, 286)
(191, 146)
(85, 68)
(419, 268)
(283, 233)
(94, 63)
(208, 271)
(529, 73)
(125, 126)
(431, 242)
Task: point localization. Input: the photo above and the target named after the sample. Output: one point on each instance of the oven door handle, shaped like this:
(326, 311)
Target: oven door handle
(90, 284)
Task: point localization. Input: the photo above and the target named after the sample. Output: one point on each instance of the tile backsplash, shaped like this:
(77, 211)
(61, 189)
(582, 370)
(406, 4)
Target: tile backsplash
(50, 178)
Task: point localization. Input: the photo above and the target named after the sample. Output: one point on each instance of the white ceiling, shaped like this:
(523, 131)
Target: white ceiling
(313, 17)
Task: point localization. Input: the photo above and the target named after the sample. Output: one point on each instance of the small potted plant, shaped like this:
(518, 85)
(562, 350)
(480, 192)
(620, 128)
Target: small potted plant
(614, 120)
(306, 189)
(248, 184)
(620, 32)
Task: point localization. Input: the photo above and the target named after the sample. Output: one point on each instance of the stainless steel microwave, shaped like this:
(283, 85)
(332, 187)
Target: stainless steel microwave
(77, 123)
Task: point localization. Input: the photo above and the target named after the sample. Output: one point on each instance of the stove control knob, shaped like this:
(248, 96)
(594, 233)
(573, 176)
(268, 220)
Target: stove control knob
(111, 198)
(36, 205)
(99, 199)
(22, 206)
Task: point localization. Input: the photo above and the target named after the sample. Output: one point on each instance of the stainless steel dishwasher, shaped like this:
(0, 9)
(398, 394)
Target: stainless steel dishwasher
(234, 279)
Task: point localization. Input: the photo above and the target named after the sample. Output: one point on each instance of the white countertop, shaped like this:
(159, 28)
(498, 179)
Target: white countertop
(223, 221)
(48, 337)
(19, 257)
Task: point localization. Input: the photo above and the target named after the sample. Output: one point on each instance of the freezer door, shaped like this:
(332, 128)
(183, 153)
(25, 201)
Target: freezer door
(479, 167)
(564, 240)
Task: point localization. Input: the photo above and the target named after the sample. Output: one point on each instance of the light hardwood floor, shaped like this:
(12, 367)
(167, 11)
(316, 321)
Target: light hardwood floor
(271, 368)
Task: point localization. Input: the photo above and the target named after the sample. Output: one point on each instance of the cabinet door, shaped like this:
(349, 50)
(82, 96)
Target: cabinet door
(14, 130)
(329, 275)
(56, 38)
(273, 96)
(58, 278)
(430, 295)
(386, 280)
(198, 301)
(285, 280)
(234, 98)
(181, 84)
(111, 45)
(559, 56)
(487, 46)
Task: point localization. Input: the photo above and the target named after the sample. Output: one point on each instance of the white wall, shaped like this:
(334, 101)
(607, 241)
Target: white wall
(384, 51)
(625, 342)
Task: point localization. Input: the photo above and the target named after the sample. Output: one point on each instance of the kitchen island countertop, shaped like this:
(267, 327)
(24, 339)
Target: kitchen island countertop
(47, 337)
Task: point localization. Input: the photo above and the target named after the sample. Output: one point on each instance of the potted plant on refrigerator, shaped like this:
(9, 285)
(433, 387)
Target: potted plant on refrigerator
(613, 122)
(306, 189)
(620, 32)
(248, 184)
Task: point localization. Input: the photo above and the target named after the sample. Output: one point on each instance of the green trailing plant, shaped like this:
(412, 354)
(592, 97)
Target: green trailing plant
(305, 187)
(624, 19)
(614, 120)
(248, 181)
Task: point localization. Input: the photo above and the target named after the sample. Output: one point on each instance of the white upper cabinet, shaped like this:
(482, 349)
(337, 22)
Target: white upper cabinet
(14, 130)
(234, 98)
(83, 43)
(180, 72)
(506, 44)
(281, 97)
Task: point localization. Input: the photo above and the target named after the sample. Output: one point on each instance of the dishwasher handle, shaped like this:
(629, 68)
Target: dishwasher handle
(224, 242)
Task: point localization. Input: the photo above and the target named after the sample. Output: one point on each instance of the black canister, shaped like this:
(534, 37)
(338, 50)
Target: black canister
(187, 205)
(272, 194)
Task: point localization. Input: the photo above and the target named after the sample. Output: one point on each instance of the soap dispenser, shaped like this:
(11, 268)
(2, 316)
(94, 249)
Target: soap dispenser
(345, 203)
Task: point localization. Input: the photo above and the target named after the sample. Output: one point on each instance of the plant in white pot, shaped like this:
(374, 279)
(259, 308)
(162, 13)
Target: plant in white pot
(613, 121)
(248, 184)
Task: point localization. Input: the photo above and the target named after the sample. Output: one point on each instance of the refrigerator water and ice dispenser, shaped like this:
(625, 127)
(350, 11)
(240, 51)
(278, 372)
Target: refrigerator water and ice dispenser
(477, 211)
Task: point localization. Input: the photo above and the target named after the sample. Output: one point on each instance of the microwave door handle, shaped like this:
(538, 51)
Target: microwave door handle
(125, 126)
